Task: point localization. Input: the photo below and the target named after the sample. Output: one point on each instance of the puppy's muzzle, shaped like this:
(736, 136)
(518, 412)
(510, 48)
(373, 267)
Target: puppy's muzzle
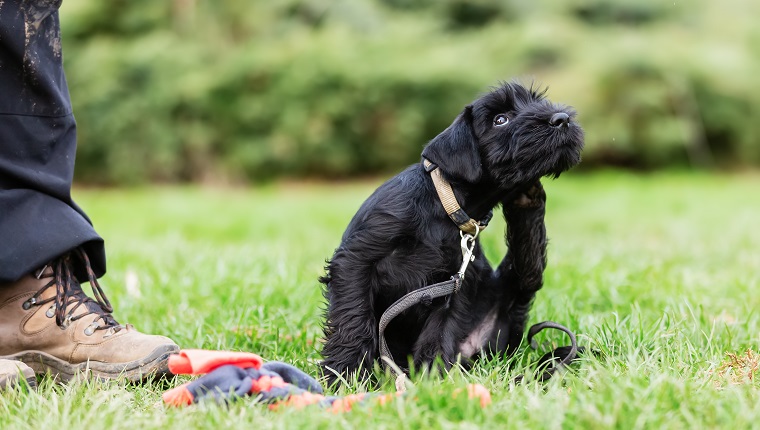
(559, 119)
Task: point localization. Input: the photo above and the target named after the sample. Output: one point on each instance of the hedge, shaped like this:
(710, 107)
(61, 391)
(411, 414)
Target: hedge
(197, 90)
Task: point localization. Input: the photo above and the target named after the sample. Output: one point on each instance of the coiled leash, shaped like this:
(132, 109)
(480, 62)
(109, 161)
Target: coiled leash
(469, 230)
(555, 360)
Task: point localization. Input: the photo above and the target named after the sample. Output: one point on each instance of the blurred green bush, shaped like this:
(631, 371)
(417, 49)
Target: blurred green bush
(197, 90)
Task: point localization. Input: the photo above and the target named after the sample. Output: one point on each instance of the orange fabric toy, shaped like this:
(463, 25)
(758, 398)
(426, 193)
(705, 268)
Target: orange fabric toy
(230, 375)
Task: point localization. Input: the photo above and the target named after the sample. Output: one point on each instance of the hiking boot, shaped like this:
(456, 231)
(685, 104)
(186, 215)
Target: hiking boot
(49, 323)
(11, 372)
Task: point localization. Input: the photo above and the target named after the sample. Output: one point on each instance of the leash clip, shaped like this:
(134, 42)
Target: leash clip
(468, 245)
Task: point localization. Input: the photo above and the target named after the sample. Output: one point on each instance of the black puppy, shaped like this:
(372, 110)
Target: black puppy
(402, 239)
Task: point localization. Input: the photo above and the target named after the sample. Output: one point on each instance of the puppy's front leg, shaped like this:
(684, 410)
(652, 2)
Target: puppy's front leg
(521, 273)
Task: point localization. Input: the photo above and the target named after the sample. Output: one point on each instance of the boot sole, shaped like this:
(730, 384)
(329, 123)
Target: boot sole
(32, 381)
(31, 378)
(153, 365)
(29, 375)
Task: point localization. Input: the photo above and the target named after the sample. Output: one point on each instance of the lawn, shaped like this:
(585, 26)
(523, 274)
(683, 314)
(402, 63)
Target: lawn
(657, 274)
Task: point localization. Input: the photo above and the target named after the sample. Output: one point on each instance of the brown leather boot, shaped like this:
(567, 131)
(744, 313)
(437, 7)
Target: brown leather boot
(47, 322)
(11, 372)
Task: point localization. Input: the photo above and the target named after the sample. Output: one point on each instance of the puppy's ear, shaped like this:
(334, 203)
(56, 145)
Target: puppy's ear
(455, 150)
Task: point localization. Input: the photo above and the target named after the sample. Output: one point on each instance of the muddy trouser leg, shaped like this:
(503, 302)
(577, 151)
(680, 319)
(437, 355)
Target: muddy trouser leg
(38, 219)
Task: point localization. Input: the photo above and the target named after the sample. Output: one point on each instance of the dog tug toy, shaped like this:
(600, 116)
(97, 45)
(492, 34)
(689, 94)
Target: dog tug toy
(230, 375)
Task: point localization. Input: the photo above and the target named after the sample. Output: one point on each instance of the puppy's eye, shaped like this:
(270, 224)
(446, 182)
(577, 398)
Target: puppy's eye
(500, 120)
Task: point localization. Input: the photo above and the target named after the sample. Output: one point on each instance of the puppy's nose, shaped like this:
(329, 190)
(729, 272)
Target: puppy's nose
(559, 119)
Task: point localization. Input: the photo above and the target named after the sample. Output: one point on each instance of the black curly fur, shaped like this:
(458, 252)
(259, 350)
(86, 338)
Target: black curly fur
(401, 239)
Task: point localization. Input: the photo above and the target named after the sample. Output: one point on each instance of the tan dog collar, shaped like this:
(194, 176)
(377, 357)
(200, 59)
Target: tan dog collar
(450, 204)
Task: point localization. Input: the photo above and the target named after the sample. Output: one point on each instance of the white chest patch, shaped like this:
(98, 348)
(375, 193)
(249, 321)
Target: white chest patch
(476, 340)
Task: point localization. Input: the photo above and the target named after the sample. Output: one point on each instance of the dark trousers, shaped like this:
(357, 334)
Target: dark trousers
(38, 219)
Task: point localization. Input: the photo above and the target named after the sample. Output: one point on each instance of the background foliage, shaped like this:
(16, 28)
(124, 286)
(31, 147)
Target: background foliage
(197, 90)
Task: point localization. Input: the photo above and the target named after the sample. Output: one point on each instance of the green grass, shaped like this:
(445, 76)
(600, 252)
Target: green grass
(658, 274)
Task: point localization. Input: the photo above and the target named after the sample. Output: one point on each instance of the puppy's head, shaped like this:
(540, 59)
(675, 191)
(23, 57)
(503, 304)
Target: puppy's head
(511, 136)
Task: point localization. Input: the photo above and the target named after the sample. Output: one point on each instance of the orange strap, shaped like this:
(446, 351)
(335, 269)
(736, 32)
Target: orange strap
(200, 361)
(298, 401)
(266, 383)
(178, 396)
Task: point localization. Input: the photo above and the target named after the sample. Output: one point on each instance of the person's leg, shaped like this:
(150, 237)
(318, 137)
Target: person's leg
(38, 219)
(47, 243)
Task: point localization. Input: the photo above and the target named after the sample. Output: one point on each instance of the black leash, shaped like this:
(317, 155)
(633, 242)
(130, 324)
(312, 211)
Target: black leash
(551, 362)
(555, 360)
(423, 295)
(428, 293)
(469, 229)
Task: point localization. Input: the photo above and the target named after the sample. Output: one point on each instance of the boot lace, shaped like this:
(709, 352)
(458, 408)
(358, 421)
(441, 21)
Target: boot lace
(69, 296)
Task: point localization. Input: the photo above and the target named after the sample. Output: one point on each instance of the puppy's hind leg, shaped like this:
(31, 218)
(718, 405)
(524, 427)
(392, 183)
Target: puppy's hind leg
(521, 273)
